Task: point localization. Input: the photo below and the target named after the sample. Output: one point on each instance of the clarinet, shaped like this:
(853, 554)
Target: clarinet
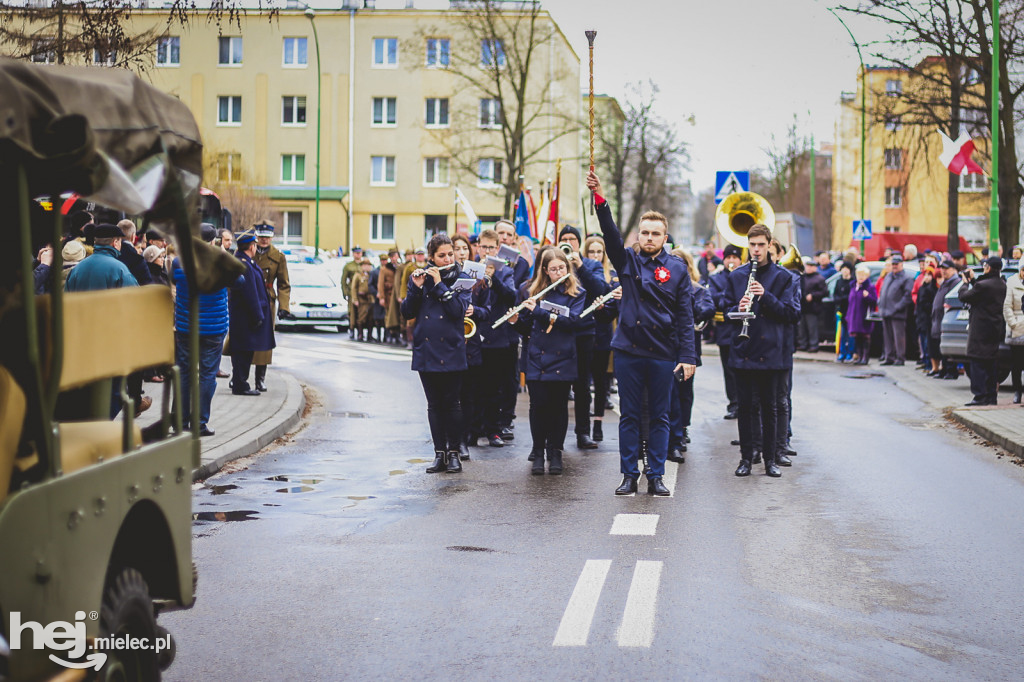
(746, 321)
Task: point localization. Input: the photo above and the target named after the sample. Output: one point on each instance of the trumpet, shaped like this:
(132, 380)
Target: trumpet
(566, 248)
(536, 297)
(598, 302)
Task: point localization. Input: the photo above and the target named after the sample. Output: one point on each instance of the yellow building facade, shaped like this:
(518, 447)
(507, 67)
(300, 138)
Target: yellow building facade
(906, 185)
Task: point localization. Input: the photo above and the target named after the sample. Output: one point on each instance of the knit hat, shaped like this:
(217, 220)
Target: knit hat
(569, 229)
(73, 251)
(732, 250)
(152, 253)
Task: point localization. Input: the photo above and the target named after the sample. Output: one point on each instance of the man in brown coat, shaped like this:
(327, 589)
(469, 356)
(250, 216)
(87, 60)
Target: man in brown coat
(361, 298)
(272, 264)
(385, 294)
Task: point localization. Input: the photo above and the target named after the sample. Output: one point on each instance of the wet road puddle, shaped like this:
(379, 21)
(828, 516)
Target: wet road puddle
(296, 479)
(297, 489)
(397, 472)
(863, 375)
(360, 498)
(221, 489)
(470, 548)
(417, 460)
(243, 515)
(349, 415)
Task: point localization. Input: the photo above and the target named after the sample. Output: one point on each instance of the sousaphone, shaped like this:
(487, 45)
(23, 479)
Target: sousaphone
(739, 212)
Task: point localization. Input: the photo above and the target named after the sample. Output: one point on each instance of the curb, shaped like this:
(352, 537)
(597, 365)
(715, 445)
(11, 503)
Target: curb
(281, 422)
(987, 433)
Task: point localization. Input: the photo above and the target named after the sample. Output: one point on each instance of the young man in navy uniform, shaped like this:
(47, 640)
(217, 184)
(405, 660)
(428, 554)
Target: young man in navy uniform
(654, 339)
(726, 330)
(761, 360)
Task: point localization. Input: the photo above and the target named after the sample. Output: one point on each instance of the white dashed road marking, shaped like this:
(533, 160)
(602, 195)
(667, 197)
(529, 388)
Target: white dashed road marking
(634, 524)
(637, 629)
(575, 626)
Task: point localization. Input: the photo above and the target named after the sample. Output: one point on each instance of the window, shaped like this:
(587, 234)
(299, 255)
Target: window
(382, 228)
(42, 51)
(492, 54)
(437, 112)
(973, 182)
(438, 52)
(893, 197)
(295, 52)
(293, 110)
(382, 171)
(292, 231)
(230, 52)
(489, 173)
(893, 122)
(894, 159)
(385, 53)
(973, 122)
(168, 51)
(435, 172)
(892, 228)
(229, 167)
(229, 111)
(970, 76)
(293, 168)
(894, 88)
(490, 113)
(384, 111)
(104, 57)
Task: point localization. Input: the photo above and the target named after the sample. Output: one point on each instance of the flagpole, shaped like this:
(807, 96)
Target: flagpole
(993, 214)
(590, 39)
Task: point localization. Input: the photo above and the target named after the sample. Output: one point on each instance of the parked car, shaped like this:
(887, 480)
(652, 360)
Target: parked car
(316, 299)
(954, 327)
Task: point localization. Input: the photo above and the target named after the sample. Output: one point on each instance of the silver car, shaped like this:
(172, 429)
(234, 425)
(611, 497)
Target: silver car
(316, 299)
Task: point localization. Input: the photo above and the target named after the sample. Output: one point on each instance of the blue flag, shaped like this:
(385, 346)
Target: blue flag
(522, 217)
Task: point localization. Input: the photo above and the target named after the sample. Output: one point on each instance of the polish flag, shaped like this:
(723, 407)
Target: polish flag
(956, 156)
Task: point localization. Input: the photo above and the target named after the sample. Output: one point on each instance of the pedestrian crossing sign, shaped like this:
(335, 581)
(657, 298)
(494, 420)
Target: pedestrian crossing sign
(728, 182)
(862, 229)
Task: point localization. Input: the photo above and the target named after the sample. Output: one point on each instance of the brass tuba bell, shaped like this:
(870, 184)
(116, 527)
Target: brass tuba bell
(468, 327)
(792, 260)
(740, 211)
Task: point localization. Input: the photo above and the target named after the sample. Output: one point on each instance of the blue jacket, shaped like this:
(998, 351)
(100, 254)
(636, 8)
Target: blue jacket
(591, 276)
(521, 272)
(213, 308)
(726, 330)
(551, 356)
(502, 297)
(604, 319)
(101, 270)
(438, 343)
(250, 327)
(137, 265)
(480, 298)
(655, 317)
(703, 310)
(768, 345)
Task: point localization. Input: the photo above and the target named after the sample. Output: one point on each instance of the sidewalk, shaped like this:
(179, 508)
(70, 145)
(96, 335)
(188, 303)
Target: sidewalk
(243, 424)
(1002, 424)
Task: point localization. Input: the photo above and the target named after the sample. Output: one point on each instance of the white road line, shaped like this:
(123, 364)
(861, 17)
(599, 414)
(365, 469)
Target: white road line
(637, 629)
(634, 524)
(671, 474)
(579, 613)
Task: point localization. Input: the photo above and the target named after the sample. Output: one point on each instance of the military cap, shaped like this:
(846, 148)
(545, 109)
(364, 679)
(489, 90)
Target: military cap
(264, 229)
(243, 240)
(107, 231)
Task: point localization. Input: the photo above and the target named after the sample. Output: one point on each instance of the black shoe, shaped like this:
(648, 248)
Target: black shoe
(608, 405)
(554, 461)
(537, 457)
(440, 462)
(951, 377)
(454, 463)
(1016, 398)
(534, 454)
(771, 469)
(686, 436)
(757, 457)
(976, 403)
(933, 373)
(260, 386)
(627, 487)
(251, 391)
(655, 486)
(898, 363)
(730, 415)
(744, 468)
(676, 454)
(783, 461)
(463, 452)
(734, 442)
(787, 451)
(584, 442)
(886, 363)
(205, 430)
(599, 433)
(495, 441)
(506, 433)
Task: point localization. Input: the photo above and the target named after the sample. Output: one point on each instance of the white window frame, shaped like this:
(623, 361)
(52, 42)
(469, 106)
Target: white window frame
(377, 228)
(893, 87)
(232, 121)
(488, 180)
(286, 236)
(894, 158)
(229, 158)
(973, 182)
(295, 52)
(502, 56)
(293, 102)
(293, 180)
(442, 49)
(384, 112)
(437, 112)
(44, 45)
(385, 164)
(442, 169)
(97, 59)
(231, 51)
(494, 114)
(385, 43)
(894, 197)
(163, 48)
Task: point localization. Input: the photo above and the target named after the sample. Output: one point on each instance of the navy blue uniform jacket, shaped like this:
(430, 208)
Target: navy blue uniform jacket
(502, 297)
(250, 325)
(591, 275)
(551, 356)
(655, 318)
(438, 344)
(727, 330)
(703, 309)
(769, 345)
(480, 298)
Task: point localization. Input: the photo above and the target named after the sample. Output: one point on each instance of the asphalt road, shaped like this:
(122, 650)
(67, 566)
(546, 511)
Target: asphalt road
(891, 549)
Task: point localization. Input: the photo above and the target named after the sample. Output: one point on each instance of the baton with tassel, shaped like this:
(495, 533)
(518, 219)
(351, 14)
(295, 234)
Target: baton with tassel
(590, 39)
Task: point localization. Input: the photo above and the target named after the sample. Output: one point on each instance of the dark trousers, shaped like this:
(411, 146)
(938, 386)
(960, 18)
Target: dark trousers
(729, 374)
(471, 397)
(444, 409)
(634, 373)
(210, 346)
(599, 370)
(1017, 358)
(133, 387)
(922, 342)
(894, 339)
(760, 387)
(581, 387)
(984, 384)
(681, 411)
(511, 394)
(784, 400)
(947, 368)
(501, 367)
(807, 332)
(241, 361)
(549, 413)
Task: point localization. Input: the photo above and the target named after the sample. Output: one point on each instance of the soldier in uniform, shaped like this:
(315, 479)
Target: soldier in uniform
(350, 271)
(362, 300)
(251, 327)
(275, 275)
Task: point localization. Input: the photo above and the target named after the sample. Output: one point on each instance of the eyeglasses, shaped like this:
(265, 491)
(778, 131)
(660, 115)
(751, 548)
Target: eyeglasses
(487, 247)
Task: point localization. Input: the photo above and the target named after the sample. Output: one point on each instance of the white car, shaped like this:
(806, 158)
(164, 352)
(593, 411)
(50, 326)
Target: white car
(316, 299)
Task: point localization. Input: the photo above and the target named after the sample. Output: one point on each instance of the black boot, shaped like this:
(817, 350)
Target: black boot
(783, 460)
(463, 451)
(454, 463)
(686, 436)
(554, 461)
(599, 434)
(440, 462)
(757, 457)
(261, 376)
(771, 468)
(627, 487)
(744, 468)
(534, 454)
(1016, 397)
(585, 443)
(538, 462)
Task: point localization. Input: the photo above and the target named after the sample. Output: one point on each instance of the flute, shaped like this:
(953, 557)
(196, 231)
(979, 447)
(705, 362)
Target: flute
(422, 271)
(598, 302)
(535, 297)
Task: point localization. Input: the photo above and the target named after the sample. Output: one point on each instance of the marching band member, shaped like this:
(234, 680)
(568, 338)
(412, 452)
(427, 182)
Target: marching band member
(604, 319)
(473, 379)
(506, 230)
(439, 349)
(726, 330)
(785, 395)
(551, 354)
(654, 339)
(760, 359)
(499, 347)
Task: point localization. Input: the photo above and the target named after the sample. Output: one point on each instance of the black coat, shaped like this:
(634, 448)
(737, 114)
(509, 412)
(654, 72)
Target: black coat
(438, 342)
(725, 330)
(551, 356)
(137, 265)
(768, 345)
(250, 325)
(842, 294)
(986, 327)
(813, 284)
(938, 309)
(923, 308)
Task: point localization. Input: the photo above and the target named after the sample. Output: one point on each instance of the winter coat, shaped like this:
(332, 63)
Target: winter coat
(213, 308)
(386, 290)
(1012, 313)
(503, 296)
(551, 355)
(894, 296)
(480, 298)
(938, 305)
(274, 267)
(703, 309)
(813, 284)
(923, 306)
(359, 292)
(591, 277)
(438, 343)
(604, 319)
(986, 327)
(137, 265)
(859, 305)
(251, 327)
(841, 294)
(158, 274)
(767, 345)
(102, 270)
(726, 330)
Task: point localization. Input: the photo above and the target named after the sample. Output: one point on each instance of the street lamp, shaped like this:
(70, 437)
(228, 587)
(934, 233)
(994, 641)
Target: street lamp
(863, 115)
(311, 15)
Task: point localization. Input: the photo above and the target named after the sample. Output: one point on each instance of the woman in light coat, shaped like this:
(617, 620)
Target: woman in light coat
(1014, 316)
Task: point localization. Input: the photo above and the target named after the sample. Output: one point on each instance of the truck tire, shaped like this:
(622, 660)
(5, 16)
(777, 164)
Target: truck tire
(127, 611)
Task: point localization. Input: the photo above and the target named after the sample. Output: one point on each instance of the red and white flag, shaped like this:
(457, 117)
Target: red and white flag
(956, 156)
